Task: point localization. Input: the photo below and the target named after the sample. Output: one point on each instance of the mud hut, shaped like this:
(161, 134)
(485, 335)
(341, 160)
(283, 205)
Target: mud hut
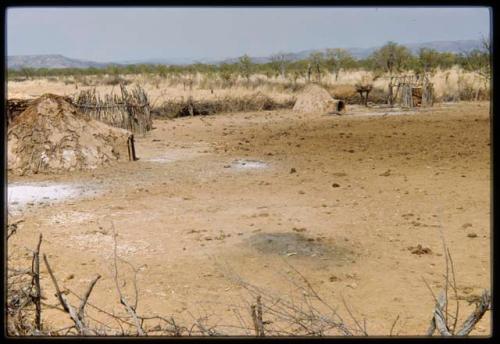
(50, 135)
(315, 98)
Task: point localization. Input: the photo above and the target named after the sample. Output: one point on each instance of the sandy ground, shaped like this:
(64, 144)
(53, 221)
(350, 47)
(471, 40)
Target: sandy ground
(339, 198)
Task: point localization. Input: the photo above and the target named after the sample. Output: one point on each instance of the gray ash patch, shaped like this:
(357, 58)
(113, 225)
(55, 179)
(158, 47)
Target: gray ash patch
(295, 244)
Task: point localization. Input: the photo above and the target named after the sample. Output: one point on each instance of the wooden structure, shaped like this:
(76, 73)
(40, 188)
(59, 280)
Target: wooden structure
(411, 90)
(364, 91)
(130, 110)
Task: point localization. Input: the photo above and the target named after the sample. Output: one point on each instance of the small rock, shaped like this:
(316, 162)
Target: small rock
(472, 235)
(301, 192)
(386, 173)
(466, 225)
(293, 170)
(352, 285)
(335, 185)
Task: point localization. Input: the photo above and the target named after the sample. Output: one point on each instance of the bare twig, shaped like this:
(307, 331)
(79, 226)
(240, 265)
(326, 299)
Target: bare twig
(80, 325)
(439, 316)
(478, 313)
(353, 318)
(393, 325)
(86, 296)
(37, 294)
(454, 286)
(259, 317)
(123, 301)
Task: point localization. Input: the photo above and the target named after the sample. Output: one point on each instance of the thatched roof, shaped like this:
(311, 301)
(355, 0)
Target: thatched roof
(315, 98)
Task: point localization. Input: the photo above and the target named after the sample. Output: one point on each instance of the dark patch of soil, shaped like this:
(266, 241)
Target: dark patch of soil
(296, 244)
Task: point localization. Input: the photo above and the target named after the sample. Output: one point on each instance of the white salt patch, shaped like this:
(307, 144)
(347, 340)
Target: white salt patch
(161, 159)
(103, 244)
(19, 195)
(249, 164)
(71, 217)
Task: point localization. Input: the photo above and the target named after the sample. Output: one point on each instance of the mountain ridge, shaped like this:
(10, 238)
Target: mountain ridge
(17, 62)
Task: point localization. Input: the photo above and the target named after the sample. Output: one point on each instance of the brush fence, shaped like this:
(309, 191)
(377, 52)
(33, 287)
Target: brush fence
(130, 110)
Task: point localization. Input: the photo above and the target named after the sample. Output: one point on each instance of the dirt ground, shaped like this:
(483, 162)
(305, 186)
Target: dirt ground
(342, 199)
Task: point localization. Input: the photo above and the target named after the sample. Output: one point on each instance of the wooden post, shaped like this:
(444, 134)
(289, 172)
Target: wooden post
(131, 148)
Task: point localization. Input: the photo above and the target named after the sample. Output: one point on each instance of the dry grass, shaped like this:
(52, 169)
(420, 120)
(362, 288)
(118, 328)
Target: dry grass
(453, 84)
(192, 107)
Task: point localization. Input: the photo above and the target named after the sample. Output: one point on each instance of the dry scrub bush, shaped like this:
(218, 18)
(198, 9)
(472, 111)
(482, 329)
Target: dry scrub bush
(114, 80)
(190, 107)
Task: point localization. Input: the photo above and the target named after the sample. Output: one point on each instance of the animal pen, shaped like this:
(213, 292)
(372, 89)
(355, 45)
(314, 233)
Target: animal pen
(129, 111)
(413, 91)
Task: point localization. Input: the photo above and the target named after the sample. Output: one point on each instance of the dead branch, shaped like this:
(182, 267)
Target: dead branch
(393, 325)
(80, 325)
(123, 301)
(473, 319)
(35, 283)
(86, 296)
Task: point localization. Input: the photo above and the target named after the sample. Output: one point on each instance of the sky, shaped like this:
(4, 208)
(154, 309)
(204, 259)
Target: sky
(123, 34)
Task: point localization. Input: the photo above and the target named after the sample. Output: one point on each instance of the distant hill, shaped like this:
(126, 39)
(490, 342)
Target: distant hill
(60, 61)
(49, 61)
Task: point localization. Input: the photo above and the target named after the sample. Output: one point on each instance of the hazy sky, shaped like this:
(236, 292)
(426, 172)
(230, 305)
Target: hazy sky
(118, 34)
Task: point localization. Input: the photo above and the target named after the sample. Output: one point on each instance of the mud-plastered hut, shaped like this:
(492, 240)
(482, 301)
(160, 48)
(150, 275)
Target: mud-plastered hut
(51, 135)
(315, 98)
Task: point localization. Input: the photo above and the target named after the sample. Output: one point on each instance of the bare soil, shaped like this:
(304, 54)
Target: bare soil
(343, 199)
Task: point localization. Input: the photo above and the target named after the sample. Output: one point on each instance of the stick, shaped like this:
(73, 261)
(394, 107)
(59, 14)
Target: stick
(124, 302)
(259, 317)
(36, 282)
(394, 324)
(65, 304)
(478, 313)
(255, 321)
(439, 316)
(454, 286)
(86, 296)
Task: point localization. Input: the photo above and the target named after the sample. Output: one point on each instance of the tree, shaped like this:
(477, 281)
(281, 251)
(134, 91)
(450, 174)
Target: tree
(428, 60)
(226, 74)
(391, 58)
(245, 66)
(338, 59)
(280, 62)
(27, 72)
(478, 60)
(447, 60)
(316, 60)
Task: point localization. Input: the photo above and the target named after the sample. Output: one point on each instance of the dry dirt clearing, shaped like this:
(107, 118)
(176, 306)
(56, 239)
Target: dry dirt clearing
(341, 199)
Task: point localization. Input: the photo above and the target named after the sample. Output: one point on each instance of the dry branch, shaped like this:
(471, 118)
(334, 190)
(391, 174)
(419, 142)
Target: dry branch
(473, 319)
(79, 323)
(37, 293)
(123, 301)
(86, 296)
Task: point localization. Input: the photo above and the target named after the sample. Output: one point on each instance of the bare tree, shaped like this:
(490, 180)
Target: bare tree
(280, 62)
